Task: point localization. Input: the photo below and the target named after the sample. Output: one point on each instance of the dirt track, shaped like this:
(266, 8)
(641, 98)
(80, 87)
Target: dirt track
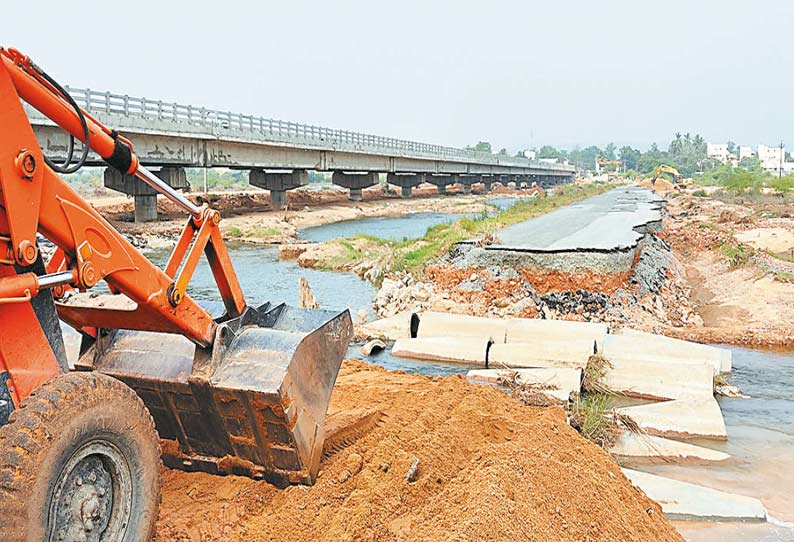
(489, 469)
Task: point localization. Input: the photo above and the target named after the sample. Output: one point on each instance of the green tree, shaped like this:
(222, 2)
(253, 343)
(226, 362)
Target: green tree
(630, 157)
(482, 146)
(585, 158)
(547, 151)
(609, 151)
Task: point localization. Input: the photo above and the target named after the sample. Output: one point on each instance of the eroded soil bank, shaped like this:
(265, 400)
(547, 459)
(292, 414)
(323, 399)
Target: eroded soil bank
(489, 469)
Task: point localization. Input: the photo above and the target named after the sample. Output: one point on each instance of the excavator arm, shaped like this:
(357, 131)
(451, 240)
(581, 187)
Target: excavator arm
(245, 391)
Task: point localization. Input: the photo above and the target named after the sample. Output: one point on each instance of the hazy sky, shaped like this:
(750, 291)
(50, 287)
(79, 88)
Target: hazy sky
(517, 74)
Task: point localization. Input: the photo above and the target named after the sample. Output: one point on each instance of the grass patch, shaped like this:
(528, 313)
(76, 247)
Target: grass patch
(708, 226)
(594, 419)
(784, 277)
(232, 231)
(594, 373)
(736, 256)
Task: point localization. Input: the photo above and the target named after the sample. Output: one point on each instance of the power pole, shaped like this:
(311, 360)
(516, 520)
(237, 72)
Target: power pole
(780, 168)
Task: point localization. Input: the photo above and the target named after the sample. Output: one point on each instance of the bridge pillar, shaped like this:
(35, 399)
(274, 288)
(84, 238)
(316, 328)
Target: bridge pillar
(487, 181)
(355, 182)
(406, 182)
(278, 182)
(467, 180)
(442, 181)
(145, 197)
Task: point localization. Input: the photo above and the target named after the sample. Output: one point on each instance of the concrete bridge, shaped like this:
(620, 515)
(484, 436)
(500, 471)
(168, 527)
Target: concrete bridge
(278, 154)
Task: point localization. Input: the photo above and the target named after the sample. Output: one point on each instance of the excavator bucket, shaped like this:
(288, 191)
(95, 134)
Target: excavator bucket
(253, 404)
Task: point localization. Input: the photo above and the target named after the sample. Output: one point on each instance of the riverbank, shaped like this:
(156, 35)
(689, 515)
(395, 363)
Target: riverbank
(738, 259)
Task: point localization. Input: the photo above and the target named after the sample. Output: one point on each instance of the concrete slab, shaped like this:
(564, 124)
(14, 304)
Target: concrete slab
(606, 222)
(525, 330)
(455, 349)
(444, 324)
(681, 418)
(537, 330)
(658, 377)
(561, 382)
(684, 501)
(559, 353)
(637, 446)
(389, 329)
(625, 341)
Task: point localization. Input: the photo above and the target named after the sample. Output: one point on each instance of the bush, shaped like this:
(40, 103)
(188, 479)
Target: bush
(782, 184)
(738, 255)
(741, 181)
(700, 193)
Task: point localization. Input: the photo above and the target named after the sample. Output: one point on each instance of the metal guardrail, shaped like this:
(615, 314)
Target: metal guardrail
(217, 121)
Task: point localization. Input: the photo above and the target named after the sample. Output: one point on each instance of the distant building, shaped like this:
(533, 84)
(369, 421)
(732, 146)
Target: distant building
(772, 158)
(548, 160)
(718, 151)
(745, 152)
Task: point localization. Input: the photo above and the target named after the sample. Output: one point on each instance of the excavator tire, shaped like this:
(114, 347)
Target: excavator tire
(79, 460)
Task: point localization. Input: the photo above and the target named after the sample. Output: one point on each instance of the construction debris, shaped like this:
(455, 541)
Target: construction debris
(373, 346)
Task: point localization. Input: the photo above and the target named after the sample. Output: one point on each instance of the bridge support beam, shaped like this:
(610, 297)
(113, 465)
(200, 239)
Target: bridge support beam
(442, 181)
(278, 182)
(355, 182)
(406, 182)
(145, 197)
(487, 181)
(467, 180)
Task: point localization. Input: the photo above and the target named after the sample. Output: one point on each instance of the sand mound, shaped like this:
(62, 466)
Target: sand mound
(489, 468)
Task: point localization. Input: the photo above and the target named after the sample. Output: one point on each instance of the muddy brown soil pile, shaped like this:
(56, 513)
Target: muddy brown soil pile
(489, 469)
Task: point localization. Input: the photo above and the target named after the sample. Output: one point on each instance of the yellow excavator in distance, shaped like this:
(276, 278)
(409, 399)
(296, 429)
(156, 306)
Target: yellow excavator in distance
(677, 177)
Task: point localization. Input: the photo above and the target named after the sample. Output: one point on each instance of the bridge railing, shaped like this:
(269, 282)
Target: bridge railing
(121, 104)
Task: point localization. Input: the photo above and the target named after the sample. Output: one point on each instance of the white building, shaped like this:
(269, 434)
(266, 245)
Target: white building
(718, 151)
(772, 158)
(745, 152)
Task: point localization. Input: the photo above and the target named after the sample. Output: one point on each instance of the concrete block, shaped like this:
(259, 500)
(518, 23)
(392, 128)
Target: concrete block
(551, 352)
(536, 330)
(389, 329)
(720, 358)
(638, 446)
(560, 381)
(451, 349)
(680, 418)
(444, 324)
(658, 378)
(684, 501)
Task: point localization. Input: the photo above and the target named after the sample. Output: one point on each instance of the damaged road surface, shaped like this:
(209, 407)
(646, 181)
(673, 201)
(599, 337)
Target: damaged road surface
(615, 220)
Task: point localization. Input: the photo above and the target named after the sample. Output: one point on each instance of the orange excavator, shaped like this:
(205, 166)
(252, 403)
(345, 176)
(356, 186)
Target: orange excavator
(160, 378)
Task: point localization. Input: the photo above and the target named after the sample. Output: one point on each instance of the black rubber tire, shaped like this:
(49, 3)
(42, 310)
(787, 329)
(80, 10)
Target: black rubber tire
(50, 429)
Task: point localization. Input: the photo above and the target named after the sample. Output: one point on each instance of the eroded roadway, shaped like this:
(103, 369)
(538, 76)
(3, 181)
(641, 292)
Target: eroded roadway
(608, 222)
